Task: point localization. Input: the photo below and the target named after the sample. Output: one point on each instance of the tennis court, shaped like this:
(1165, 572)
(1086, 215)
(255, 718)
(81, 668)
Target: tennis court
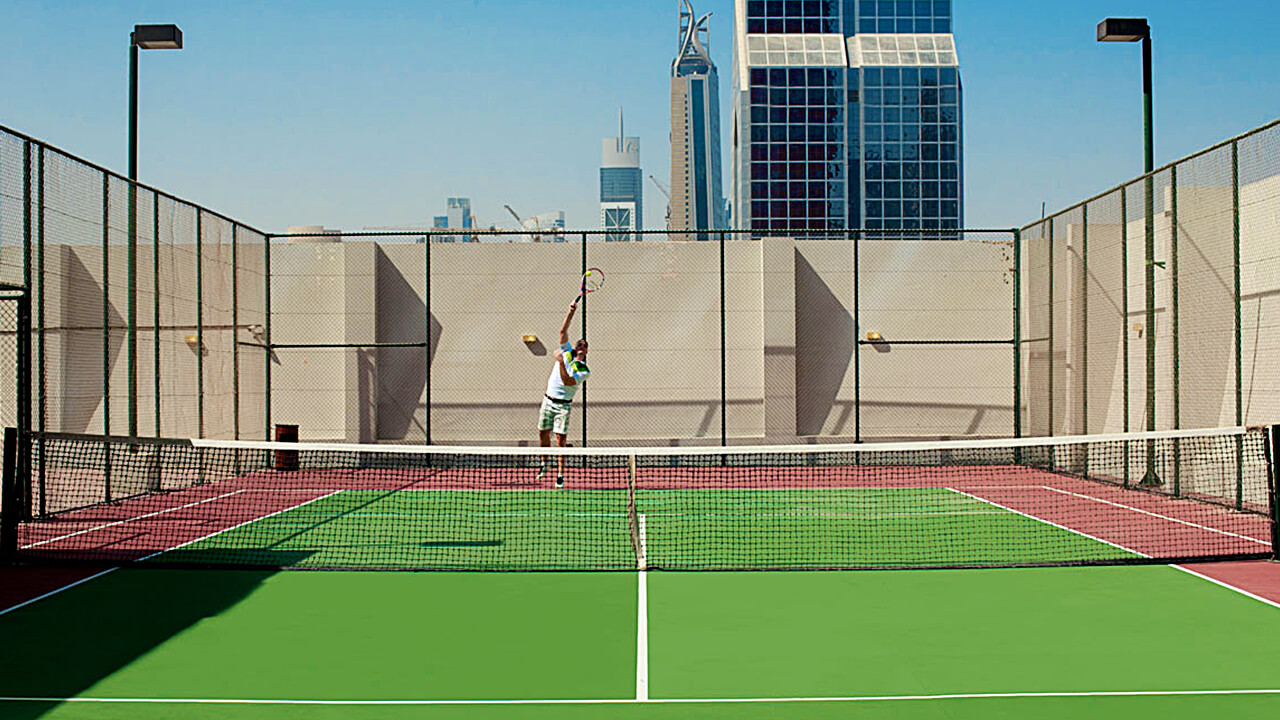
(204, 617)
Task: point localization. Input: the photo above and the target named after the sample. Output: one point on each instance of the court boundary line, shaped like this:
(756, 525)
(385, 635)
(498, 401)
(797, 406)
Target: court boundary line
(1180, 568)
(126, 521)
(95, 576)
(653, 701)
(55, 591)
(237, 526)
(642, 614)
(1188, 523)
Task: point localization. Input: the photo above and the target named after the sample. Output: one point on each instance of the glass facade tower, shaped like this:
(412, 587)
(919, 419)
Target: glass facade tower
(697, 198)
(847, 113)
(621, 186)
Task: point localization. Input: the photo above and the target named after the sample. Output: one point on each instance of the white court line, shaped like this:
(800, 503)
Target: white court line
(81, 581)
(1180, 568)
(1053, 524)
(1158, 515)
(642, 619)
(240, 525)
(652, 701)
(51, 593)
(129, 520)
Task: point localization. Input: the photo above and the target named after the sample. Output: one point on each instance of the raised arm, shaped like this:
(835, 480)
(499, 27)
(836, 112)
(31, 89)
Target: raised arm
(564, 326)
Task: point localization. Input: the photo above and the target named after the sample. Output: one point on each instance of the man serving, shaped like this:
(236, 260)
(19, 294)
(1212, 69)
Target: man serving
(568, 374)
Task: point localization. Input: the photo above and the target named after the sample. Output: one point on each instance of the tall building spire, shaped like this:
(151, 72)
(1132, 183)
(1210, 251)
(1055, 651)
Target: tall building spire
(697, 199)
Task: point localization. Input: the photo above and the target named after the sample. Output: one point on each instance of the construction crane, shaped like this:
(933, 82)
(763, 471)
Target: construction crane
(667, 194)
(523, 225)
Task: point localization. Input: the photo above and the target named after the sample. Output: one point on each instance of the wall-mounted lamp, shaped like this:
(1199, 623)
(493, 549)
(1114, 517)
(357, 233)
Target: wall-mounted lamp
(875, 337)
(530, 339)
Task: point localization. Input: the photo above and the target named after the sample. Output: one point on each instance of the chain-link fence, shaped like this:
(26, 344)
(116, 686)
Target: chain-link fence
(386, 337)
(136, 325)
(1147, 307)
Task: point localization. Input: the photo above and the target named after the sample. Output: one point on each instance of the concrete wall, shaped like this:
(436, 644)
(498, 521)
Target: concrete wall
(655, 332)
(1206, 381)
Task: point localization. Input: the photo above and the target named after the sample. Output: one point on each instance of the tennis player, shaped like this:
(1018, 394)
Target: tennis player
(568, 374)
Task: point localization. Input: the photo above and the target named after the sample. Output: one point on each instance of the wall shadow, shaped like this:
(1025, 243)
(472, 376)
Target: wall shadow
(81, 345)
(65, 644)
(824, 348)
(401, 372)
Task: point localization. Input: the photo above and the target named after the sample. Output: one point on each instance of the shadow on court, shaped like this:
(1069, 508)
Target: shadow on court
(63, 645)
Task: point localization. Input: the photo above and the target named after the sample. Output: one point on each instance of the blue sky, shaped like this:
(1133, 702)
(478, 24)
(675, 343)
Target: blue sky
(365, 113)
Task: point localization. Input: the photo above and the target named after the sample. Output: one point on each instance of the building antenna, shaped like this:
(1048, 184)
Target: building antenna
(622, 134)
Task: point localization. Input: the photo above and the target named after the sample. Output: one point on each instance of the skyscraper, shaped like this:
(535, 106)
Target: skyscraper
(697, 201)
(846, 113)
(621, 186)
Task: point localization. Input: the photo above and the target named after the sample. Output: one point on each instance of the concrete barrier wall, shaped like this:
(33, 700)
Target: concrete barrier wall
(654, 328)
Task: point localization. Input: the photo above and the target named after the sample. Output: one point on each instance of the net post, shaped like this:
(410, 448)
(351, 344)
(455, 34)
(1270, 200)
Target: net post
(633, 518)
(1239, 327)
(1273, 482)
(1017, 335)
(9, 498)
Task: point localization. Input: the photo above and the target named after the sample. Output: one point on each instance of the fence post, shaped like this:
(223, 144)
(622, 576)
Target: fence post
(724, 376)
(131, 310)
(200, 322)
(1239, 329)
(426, 302)
(1017, 333)
(235, 331)
(1124, 312)
(1084, 321)
(857, 337)
(1051, 348)
(583, 389)
(155, 303)
(266, 332)
(106, 334)
(42, 395)
(1177, 341)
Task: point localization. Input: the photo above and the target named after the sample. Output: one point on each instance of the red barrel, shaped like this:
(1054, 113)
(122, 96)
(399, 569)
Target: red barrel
(286, 460)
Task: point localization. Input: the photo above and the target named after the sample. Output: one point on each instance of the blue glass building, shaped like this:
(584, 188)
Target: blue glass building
(621, 186)
(847, 113)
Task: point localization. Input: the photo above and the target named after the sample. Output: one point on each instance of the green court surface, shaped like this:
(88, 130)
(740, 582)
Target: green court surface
(573, 645)
(684, 529)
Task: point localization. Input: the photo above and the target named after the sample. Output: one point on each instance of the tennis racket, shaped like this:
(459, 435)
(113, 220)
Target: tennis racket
(592, 280)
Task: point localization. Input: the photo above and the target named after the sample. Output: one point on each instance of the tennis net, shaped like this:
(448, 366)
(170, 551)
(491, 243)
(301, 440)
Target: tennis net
(1147, 498)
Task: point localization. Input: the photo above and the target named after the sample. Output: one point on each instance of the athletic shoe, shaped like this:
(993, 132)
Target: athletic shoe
(542, 470)
(559, 482)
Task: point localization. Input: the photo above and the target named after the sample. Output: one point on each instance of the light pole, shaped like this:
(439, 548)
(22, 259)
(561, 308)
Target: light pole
(146, 37)
(1135, 30)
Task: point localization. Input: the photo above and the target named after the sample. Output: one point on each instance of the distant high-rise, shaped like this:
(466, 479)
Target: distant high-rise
(621, 186)
(697, 200)
(460, 213)
(847, 113)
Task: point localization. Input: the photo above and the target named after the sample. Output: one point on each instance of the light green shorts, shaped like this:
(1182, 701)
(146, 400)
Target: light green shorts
(554, 416)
